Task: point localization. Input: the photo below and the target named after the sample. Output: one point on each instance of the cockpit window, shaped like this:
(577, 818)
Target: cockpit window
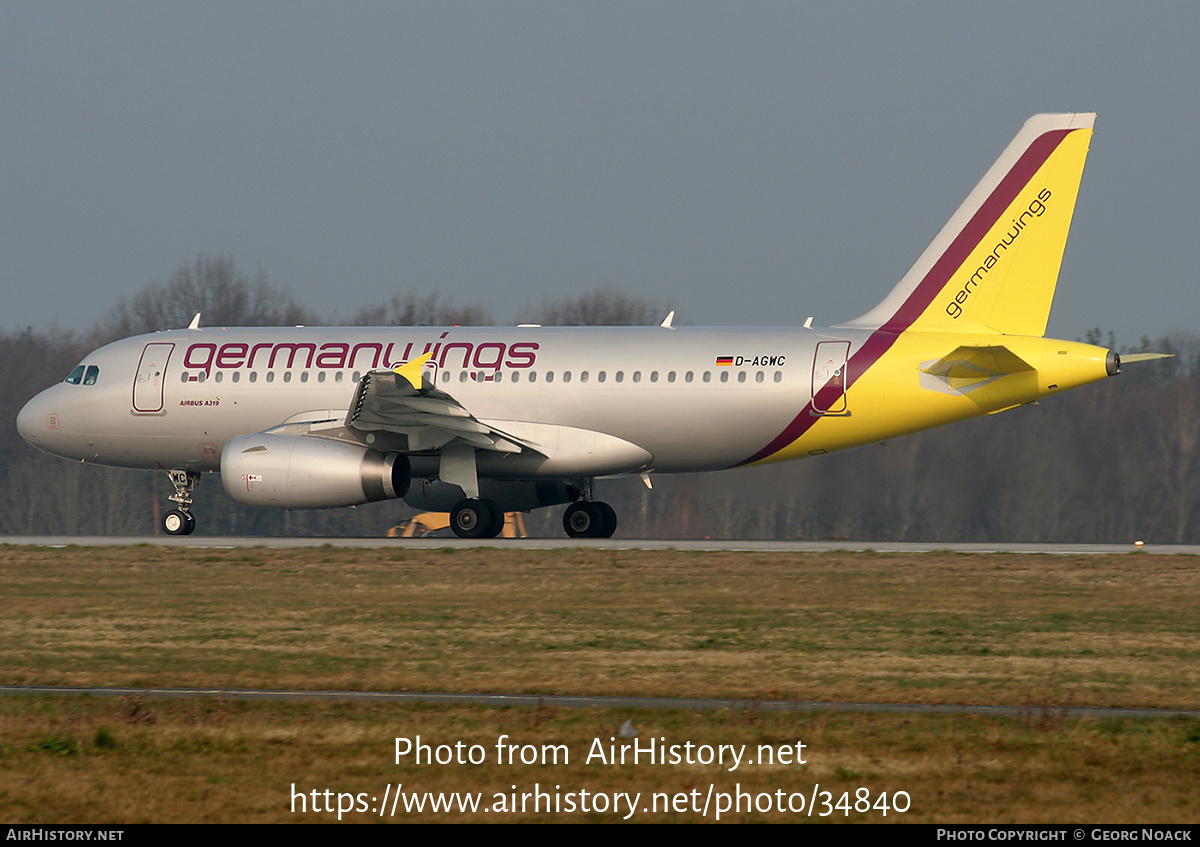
(83, 375)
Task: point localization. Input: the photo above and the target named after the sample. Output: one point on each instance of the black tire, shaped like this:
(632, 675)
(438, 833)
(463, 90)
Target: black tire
(608, 523)
(176, 522)
(583, 519)
(473, 519)
(496, 516)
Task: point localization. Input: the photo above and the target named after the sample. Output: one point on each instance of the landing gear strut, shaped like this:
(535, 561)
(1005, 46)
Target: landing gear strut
(180, 521)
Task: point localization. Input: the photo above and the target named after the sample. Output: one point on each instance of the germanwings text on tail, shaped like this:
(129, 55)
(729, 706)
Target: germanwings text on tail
(478, 421)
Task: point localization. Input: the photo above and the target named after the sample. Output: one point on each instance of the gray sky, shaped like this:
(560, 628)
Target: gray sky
(745, 163)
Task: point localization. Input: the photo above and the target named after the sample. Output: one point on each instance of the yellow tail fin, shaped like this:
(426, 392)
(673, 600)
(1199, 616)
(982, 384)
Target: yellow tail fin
(994, 266)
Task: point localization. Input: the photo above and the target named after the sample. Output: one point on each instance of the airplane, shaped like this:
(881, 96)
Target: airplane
(479, 421)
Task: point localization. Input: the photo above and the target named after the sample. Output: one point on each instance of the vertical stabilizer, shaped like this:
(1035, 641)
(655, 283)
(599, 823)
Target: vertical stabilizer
(994, 265)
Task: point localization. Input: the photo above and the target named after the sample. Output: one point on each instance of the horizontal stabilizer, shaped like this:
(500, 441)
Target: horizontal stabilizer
(968, 367)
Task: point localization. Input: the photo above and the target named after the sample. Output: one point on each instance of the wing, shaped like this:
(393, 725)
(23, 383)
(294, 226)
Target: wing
(404, 401)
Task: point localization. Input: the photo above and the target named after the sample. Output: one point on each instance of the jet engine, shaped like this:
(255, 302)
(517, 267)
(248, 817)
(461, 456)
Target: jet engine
(307, 472)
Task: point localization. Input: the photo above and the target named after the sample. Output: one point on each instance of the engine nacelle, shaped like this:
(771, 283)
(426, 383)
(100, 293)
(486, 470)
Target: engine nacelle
(512, 495)
(307, 472)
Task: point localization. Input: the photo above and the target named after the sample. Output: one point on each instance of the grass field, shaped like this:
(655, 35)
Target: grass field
(1043, 632)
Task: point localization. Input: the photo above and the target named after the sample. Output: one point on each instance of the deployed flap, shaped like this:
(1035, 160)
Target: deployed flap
(392, 401)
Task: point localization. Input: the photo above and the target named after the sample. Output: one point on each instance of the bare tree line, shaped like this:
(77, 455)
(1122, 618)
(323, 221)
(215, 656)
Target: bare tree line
(1114, 461)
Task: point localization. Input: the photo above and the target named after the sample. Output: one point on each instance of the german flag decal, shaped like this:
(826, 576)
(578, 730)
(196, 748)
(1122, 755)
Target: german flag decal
(724, 361)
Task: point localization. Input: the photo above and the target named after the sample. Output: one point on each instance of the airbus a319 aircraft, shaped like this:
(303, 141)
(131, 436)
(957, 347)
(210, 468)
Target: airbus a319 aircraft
(478, 421)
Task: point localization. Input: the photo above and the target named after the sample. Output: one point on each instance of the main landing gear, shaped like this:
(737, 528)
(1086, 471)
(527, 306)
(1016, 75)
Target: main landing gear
(476, 518)
(590, 519)
(180, 521)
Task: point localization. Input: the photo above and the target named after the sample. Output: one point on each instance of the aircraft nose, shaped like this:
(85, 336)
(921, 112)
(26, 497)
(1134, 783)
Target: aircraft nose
(35, 421)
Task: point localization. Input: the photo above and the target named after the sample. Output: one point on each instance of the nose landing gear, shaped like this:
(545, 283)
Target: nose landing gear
(180, 521)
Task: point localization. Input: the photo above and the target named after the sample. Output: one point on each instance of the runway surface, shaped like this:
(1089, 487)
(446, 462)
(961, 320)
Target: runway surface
(691, 545)
(573, 702)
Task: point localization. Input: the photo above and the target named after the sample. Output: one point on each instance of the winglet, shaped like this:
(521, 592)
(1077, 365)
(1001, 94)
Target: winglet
(411, 371)
(195, 324)
(668, 320)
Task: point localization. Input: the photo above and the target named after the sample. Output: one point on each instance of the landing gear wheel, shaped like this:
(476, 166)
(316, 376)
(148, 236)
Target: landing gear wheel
(477, 519)
(609, 525)
(582, 520)
(590, 519)
(176, 522)
(180, 521)
(497, 518)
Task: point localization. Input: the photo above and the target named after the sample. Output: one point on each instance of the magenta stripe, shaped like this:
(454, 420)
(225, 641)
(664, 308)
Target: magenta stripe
(935, 280)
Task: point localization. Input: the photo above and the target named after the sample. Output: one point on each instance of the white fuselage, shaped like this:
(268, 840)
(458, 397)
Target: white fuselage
(694, 399)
